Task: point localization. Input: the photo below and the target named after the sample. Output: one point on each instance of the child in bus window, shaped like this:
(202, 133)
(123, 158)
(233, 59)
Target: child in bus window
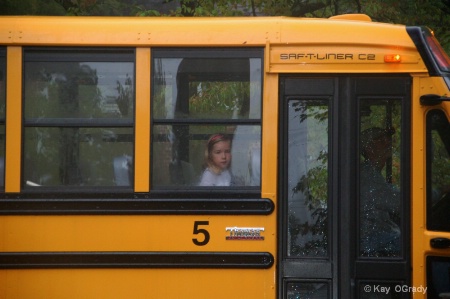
(217, 162)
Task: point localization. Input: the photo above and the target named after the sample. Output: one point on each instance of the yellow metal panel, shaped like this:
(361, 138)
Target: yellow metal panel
(130, 233)
(137, 284)
(338, 58)
(433, 85)
(13, 119)
(335, 32)
(354, 17)
(447, 108)
(418, 204)
(269, 146)
(135, 31)
(322, 54)
(420, 236)
(270, 136)
(142, 129)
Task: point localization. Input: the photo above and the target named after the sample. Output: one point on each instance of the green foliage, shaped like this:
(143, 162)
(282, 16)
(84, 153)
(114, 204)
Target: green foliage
(97, 7)
(221, 99)
(147, 13)
(444, 39)
(313, 184)
(210, 8)
(31, 7)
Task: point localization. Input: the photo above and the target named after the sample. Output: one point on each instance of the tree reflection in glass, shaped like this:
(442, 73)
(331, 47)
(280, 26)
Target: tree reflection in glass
(308, 178)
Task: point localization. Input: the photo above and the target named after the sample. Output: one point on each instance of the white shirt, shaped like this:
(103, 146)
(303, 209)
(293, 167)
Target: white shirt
(209, 178)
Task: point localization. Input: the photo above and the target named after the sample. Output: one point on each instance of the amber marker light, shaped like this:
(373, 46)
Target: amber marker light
(392, 58)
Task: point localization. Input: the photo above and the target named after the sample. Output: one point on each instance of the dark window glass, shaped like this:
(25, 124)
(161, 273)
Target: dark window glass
(206, 116)
(438, 277)
(2, 114)
(380, 188)
(312, 290)
(79, 117)
(438, 171)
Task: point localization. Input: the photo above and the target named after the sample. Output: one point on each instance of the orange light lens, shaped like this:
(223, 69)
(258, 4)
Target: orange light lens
(392, 58)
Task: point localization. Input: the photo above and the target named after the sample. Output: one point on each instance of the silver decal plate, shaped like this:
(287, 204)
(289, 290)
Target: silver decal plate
(244, 233)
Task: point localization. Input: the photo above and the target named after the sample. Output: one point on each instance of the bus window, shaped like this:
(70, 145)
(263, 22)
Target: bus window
(438, 277)
(380, 197)
(308, 179)
(79, 115)
(307, 290)
(197, 94)
(438, 163)
(2, 114)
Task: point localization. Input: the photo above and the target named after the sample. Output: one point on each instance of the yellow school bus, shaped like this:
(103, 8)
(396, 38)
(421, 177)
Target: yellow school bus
(268, 157)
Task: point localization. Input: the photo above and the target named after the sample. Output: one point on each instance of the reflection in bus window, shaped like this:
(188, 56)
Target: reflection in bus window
(438, 277)
(196, 97)
(2, 114)
(79, 111)
(312, 290)
(438, 163)
(380, 232)
(308, 178)
(188, 171)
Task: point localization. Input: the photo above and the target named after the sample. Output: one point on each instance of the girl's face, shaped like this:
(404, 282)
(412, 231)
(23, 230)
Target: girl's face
(221, 154)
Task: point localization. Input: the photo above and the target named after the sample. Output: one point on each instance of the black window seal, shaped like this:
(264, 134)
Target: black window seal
(78, 122)
(78, 54)
(417, 35)
(223, 52)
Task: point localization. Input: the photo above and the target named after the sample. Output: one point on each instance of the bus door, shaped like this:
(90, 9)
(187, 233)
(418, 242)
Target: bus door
(438, 205)
(344, 213)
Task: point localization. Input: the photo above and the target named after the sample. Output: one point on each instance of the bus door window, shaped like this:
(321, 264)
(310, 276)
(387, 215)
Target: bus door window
(2, 114)
(199, 93)
(79, 117)
(380, 189)
(438, 201)
(307, 190)
(438, 168)
(308, 178)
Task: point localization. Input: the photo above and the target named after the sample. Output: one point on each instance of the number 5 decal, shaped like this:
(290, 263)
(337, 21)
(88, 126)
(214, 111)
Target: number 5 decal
(201, 231)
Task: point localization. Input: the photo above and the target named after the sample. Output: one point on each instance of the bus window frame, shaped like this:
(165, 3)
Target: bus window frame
(78, 54)
(205, 53)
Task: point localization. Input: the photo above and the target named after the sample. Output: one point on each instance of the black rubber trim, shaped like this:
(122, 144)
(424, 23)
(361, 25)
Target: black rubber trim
(73, 260)
(417, 36)
(122, 206)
